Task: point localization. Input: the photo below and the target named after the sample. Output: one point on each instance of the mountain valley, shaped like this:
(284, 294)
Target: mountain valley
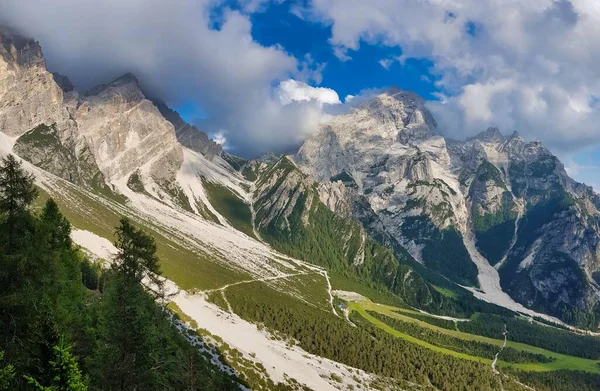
(381, 255)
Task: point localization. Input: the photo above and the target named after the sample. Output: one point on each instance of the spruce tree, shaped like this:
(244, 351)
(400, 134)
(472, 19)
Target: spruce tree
(57, 226)
(66, 375)
(16, 194)
(129, 353)
(19, 285)
(137, 257)
(7, 374)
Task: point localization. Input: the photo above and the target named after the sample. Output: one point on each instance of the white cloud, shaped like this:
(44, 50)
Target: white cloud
(219, 138)
(526, 65)
(386, 63)
(178, 54)
(296, 91)
(476, 98)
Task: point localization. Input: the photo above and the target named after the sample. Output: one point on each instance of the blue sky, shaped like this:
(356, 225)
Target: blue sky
(262, 74)
(277, 25)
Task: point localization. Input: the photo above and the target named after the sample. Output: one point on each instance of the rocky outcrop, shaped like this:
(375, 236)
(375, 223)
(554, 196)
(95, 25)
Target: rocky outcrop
(337, 197)
(29, 96)
(126, 131)
(188, 135)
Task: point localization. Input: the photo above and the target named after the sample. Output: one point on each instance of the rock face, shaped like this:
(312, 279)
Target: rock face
(125, 131)
(190, 136)
(43, 147)
(434, 196)
(29, 96)
(92, 139)
(387, 151)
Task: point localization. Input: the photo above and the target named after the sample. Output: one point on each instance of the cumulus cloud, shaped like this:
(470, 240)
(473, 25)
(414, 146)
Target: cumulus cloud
(296, 91)
(524, 65)
(386, 63)
(220, 138)
(181, 51)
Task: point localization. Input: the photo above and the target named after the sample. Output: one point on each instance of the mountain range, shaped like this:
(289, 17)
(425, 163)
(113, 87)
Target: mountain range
(376, 197)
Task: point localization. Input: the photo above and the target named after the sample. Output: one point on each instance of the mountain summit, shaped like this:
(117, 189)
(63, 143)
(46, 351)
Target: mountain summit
(461, 207)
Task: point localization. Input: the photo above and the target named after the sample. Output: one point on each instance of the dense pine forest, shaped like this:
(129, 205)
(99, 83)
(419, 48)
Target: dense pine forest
(66, 324)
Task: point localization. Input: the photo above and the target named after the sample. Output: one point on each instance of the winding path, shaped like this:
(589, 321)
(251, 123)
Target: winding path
(500, 351)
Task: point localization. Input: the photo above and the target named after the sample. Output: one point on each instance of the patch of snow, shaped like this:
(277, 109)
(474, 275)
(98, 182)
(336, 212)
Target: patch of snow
(189, 177)
(93, 244)
(232, 248)
(450, 318)
(216, 170)
(349, 296)
(489, 282)
(206, 345)
(276, 356)
(6, 143)
(525, 263)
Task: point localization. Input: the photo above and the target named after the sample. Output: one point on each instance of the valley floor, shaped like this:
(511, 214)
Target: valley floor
(560, 361)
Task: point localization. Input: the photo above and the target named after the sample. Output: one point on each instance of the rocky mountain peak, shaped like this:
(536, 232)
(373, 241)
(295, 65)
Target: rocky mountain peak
(124, 88)
(63, 82)
(362, 138)
(490, 135)
(515, 135)
(127, 77)
(395, 102)
(30, 96)
(188, 135)
(395, 114)
(20, 50)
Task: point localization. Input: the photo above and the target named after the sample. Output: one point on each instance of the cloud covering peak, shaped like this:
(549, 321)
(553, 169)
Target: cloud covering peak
(526, 65)
(182, 51)
(529, 66)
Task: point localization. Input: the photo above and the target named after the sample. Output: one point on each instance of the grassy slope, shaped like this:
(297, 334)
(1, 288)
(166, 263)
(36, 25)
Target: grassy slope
(187, 268)
(192, 270)
(230, 206)
(561, 361)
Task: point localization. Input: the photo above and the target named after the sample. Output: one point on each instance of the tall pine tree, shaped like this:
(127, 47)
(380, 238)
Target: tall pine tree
(129, 355)
(16, 194)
